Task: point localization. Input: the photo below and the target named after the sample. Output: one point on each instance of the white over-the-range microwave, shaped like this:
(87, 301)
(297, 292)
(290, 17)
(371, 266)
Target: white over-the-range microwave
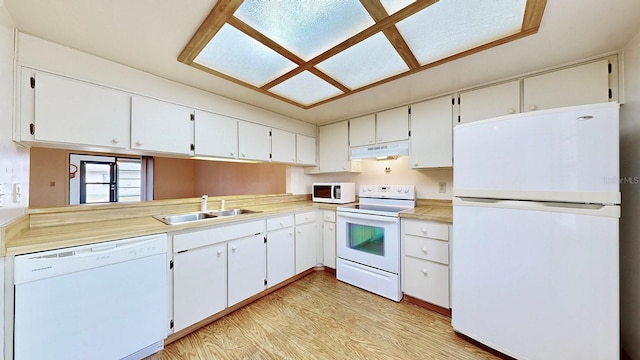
(335, 192)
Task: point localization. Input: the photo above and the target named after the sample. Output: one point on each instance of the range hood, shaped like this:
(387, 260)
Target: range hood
(380, 152)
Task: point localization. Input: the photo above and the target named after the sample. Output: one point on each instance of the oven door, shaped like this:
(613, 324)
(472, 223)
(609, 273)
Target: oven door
(371, 240)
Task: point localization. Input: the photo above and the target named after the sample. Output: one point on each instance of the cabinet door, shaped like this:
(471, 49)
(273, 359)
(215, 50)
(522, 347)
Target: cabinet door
(305, 247)
(216, 135)
(199, 284)
(283, 146)
(247, 266)
(280, 256)
(305, 150)
(254, 141)
(431, 134)
(334, 147)
(427, 280)
(579, 85)
(329, 244)
(392, 125)
(160, 126)
(73, 112)
(492, 101)
(362, 130)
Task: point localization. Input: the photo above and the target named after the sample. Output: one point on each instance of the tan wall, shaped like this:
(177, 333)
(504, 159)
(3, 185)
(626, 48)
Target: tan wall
(227, 178)
(173, 178)
(49, 177)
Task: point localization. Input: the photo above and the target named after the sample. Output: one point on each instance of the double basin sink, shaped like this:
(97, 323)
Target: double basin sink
(201, 215)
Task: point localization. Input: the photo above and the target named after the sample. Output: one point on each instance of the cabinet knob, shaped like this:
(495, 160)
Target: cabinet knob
(219, 252)
(231, 153)
(511, 111)
(415, 164)
(424, 231)
(243, 155)
(533, 107)
(115, 140)
(424, 271)
(281, 223)
(344, 168)
(299, 231)
(290, 233)
(370, 141)
(331, 227)
(424, 250)
(139, 143)
(233, 248)
(380, 139)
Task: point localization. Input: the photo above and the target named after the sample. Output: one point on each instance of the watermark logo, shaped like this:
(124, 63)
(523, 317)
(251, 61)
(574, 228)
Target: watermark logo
(633, 180)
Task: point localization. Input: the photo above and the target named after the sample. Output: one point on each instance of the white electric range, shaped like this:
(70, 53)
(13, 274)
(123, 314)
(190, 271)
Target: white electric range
(368, 239)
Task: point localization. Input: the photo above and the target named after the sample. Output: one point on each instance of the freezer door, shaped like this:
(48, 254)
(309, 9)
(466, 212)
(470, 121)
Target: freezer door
(537, 282)
(569, 154)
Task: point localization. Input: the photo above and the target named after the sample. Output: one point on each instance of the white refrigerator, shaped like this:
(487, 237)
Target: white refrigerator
(535, 233)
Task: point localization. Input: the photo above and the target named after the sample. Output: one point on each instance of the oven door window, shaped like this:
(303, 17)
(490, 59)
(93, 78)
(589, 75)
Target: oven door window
(366, 238)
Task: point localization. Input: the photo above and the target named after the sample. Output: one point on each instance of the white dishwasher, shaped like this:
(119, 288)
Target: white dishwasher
(100, 301)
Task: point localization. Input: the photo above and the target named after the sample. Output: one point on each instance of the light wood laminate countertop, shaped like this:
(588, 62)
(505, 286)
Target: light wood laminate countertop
(54, 228)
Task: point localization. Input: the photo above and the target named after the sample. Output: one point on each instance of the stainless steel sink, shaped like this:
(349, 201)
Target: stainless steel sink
(232, 212)
(182, 218)
(201, 215)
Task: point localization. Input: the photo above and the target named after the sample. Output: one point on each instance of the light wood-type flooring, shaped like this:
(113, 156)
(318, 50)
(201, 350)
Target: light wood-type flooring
(318, 317)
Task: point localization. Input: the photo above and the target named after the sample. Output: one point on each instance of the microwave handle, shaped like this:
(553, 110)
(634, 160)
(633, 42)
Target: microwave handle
(334, 191)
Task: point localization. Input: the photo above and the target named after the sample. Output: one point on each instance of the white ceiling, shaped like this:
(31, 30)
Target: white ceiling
(149, 35)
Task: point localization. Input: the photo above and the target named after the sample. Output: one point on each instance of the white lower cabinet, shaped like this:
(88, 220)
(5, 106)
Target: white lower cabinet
(426, 261)
(280, 250)
(305, 241)
(246, 268)
(329, 238)
(200, 284)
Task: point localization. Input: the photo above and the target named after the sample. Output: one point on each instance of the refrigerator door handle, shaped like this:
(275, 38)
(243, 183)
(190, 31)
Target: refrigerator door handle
(574, 208)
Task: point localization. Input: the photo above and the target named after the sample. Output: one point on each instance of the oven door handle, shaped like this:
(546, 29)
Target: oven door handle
(390, 219)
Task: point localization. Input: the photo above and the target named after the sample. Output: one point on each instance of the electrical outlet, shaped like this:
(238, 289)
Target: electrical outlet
(17, 193)
(442, 187)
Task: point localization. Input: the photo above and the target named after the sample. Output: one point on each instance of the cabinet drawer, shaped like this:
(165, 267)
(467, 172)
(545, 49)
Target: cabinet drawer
(305, 217)
(329, 216)
(427, 249)
(426, 229)
(427, 281)
(194, 239)
(279, 222)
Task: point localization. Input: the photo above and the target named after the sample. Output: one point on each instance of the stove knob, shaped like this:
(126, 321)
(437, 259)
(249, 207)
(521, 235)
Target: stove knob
(406, 190)
(370, 188)
(399, 189)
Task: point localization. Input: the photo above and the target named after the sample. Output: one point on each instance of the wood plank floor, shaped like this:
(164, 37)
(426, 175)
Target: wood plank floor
(318, 317)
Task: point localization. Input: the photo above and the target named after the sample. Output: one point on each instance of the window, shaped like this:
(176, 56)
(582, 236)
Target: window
(103, 179)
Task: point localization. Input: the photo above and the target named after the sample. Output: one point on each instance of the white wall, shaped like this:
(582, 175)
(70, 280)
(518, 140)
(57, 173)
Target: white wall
(630, 187)
(373, 172)
(14, 159)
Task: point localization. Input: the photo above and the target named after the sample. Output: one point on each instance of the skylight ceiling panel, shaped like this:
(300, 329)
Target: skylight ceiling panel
(393, 6)
(368, 61)
(235, 54)
(306, 88)
(450, 27)
(305, 27)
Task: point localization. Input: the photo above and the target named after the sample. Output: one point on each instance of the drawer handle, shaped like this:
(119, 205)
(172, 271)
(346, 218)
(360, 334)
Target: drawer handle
(424, 250)
(424, 271)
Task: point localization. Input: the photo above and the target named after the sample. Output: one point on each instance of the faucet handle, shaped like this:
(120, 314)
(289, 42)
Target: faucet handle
(203, 203)
(221, 204)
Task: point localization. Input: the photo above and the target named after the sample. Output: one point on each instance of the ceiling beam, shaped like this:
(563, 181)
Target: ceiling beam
(221, 12)
(378, 12)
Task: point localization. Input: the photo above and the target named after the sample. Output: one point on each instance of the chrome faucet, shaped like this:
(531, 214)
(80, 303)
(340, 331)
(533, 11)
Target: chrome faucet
(203, 203)
(221, 204)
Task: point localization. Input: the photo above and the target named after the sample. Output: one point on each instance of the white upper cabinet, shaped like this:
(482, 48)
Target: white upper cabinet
(431, 134)
(489, 102)
(392, 125)
(334, 149)
(216, 135)
(305, 150)
(578, 85)
(283, 146)
(158, 126)
(362, 130)
(74, 112)
(254, 141)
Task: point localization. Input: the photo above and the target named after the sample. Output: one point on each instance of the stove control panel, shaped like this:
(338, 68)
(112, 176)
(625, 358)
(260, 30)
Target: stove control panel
(388, 191)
